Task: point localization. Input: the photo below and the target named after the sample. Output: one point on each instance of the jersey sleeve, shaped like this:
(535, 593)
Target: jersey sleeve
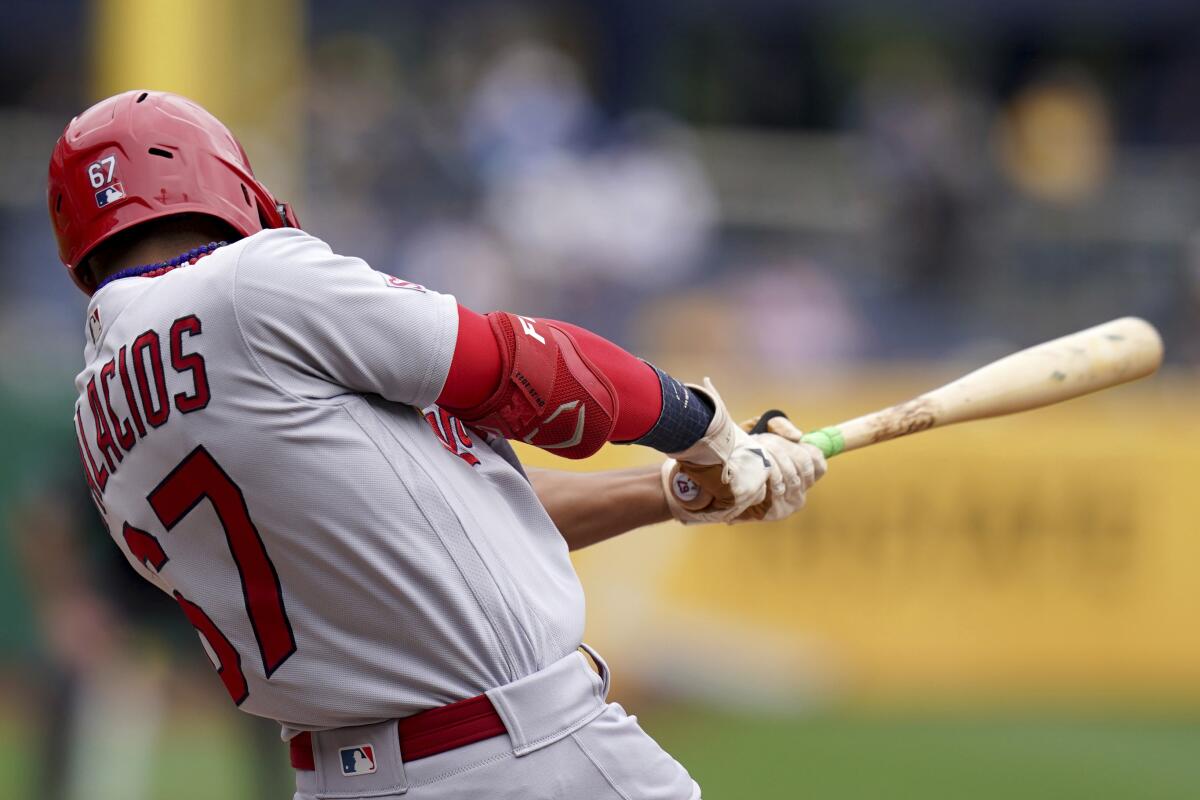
(320, 324)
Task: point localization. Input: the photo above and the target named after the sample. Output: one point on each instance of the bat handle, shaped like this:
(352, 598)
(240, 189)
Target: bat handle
(828, 440)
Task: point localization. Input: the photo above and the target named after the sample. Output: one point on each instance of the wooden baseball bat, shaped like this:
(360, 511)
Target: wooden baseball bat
(1097, 358)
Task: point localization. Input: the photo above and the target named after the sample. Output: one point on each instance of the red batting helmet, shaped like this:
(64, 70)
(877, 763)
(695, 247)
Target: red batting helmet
(140, 156)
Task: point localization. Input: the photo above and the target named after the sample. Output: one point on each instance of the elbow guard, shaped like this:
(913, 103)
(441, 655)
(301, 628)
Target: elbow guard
(550, 395)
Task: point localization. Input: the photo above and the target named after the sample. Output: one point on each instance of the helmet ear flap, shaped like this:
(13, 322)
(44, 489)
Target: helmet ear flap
(283, 212)
(287, 215)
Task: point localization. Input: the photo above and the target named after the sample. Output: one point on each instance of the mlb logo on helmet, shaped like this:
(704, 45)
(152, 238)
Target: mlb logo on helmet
(110, 194)
(358, 759)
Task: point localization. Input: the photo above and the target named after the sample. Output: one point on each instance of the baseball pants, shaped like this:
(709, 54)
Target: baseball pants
(564, 740)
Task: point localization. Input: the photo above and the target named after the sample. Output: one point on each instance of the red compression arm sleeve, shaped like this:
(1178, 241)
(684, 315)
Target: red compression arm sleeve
(636, 382)
(476, 372)
(477, 366)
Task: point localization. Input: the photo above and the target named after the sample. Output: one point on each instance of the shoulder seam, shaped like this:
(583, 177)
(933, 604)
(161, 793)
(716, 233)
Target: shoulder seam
(237, 321)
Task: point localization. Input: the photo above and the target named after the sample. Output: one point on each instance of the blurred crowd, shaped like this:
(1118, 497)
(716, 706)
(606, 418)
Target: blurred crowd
(785, 184)
(875, 183)
(871, 189)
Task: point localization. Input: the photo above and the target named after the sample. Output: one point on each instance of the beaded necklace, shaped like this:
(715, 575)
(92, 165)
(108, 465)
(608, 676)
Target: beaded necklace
(162, 267)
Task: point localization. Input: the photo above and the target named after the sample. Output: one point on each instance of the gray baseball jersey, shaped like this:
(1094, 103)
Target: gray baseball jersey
(259, 435)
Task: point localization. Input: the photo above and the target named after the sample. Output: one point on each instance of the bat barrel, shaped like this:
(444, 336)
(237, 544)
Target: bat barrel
(1071, 366)
(1080, 363)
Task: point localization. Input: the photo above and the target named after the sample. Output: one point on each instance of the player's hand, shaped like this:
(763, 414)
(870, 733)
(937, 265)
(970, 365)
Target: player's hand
(795, 467)
(800, 466)
(725, 472)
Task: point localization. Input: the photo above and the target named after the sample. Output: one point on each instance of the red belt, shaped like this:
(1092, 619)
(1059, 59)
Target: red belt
(428, 733)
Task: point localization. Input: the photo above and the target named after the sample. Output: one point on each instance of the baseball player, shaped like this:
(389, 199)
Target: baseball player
(311, 458)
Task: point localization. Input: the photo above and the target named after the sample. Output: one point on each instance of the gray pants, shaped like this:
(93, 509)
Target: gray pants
(564, 741)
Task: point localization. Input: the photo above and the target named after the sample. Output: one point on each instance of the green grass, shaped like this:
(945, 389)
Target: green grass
(861, 757)
(830, 757)
(14, 772)
(207, 757)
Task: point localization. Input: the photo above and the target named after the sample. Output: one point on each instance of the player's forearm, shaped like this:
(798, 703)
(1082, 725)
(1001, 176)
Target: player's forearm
(564, 389)
(591, 507)
(568, 391)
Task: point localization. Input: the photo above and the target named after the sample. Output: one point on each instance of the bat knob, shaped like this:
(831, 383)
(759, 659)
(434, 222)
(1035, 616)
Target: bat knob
(760, 425)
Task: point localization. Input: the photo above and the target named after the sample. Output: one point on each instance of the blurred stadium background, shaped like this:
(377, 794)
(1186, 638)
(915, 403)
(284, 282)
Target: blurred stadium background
(825, 204)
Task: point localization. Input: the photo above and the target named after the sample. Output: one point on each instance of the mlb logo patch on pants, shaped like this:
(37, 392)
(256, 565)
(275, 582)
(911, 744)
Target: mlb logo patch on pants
(355, 762)
(358, 759)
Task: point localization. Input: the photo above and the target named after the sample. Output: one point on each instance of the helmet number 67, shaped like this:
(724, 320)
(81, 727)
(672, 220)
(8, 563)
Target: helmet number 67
(101, 172)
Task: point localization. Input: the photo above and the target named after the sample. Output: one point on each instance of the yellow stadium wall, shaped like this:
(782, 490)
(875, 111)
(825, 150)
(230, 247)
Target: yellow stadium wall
(1055, 553)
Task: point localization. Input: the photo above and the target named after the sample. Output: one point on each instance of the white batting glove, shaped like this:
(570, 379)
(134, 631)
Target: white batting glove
(800, 465)
(794, 468)
(728, 471)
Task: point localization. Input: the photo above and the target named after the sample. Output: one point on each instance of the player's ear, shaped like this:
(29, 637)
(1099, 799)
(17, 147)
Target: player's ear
(87, 273)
